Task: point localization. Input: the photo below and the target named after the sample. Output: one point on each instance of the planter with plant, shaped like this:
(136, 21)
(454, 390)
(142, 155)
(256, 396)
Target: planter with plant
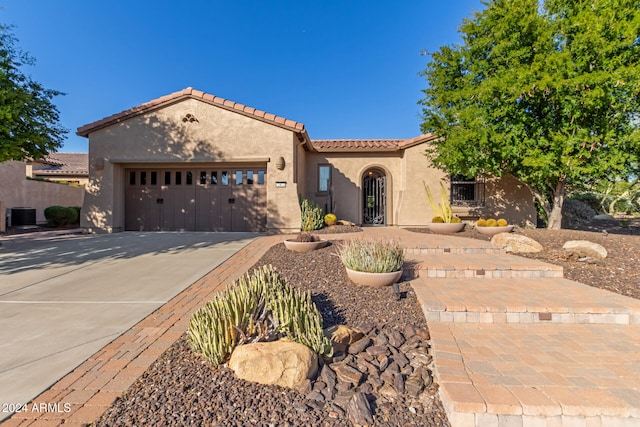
(492, 226)
(312, 219)
(444, 221)
(374, 263)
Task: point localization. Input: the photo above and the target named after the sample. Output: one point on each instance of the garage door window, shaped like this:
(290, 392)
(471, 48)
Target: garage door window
(260, 177)
(238, 177)
(224, 176)
(154, 178)
(249, 177)
(203, 177)
(189, 178)
(132, 178)
(143, 178)
(167, 178)
(178, 178)
(214, 178)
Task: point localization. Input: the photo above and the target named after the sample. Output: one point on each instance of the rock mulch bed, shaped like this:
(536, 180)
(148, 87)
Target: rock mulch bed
(383, 379)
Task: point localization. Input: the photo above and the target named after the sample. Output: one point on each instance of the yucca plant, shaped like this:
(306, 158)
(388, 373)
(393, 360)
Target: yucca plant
(443, 208)
(372, 256)
(260, 306)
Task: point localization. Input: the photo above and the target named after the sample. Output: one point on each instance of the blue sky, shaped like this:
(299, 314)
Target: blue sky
(344, 68)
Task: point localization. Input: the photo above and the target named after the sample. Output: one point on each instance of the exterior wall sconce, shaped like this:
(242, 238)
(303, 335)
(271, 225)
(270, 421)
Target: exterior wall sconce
(280, 163)
(99, 163)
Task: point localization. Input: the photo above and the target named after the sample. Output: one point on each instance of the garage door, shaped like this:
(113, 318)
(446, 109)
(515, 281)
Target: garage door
(196, 199)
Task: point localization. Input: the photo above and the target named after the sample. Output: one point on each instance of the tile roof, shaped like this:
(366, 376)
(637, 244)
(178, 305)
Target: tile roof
(350, 145)
(196, 94)
(63, 164)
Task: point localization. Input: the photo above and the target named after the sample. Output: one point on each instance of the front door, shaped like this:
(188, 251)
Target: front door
(374, 197)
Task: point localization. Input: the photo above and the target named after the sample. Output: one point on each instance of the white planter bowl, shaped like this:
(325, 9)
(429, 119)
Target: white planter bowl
(446, 227)
(296, 246)
(376, 280)
(490, 231)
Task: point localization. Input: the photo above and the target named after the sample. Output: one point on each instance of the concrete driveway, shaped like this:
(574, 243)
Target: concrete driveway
(62, 298)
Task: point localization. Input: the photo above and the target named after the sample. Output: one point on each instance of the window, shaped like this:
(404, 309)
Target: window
(249, 177)
(324, 178)
(238, 177)
(203, 177)
(225, 177)
(260, 177)
(178, 178)
(154, 178)
(189, 178)
(143, 178)
(466, 191)
(167, 178)
(214, 178)
(132, 178)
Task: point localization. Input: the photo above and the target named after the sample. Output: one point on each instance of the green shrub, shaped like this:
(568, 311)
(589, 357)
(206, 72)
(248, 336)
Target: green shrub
(372, 256)
(59, 216)
(260, 306)
(312, 215)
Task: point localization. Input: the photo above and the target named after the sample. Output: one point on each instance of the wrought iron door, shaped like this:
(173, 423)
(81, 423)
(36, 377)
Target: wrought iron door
(374, 192)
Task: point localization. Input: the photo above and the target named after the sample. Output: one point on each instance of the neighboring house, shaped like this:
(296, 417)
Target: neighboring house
(16, 191)
(72, 168)
(194, 161)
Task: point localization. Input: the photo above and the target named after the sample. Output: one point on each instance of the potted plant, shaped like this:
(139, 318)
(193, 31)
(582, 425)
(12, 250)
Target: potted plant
(444, 221)
(312, 219)
(491, 226)
(374, 263)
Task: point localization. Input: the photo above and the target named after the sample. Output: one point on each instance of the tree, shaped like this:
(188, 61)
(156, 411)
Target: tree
(29, 125)
(548, 91)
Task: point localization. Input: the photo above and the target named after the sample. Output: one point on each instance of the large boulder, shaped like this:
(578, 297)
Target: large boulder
(584, 249)
(282, 363)
(516, 243)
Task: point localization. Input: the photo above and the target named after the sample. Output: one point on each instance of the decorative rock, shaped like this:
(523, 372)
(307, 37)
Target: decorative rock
(359, 410)
(283, 363)
(346, 373)
(398, 383)
(342, 336)
(414, 385)
(378, 350)
(315, 395)
(584, 248)
(418, 358)
(401, 360)
(328, 376)
(516, 243)
(360, 345)
(423, 333)
(396, 338)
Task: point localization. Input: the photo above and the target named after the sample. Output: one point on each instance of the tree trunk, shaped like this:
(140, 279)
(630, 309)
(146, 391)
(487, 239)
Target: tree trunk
(555, 216)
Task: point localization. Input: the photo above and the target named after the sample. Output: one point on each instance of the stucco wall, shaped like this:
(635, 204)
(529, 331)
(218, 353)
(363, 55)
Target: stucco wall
(164, 137)
(407, 203)
(18, 191)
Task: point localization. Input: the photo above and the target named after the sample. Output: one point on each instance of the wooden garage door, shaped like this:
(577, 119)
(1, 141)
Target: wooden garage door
(196, 199)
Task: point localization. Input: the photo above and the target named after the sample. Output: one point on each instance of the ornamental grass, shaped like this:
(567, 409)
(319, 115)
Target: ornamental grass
(372, 256)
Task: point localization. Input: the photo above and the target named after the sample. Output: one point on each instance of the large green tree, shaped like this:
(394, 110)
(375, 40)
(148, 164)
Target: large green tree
(548, 91)
(29, 126)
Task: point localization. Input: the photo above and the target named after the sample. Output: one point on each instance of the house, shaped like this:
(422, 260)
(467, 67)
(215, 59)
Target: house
(71, 168)
(193, 161)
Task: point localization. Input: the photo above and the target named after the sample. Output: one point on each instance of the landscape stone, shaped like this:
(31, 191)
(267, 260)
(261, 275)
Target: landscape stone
(359, 410)
(516, 243)
(347, 373)
(282, 363)
(584, 248)
(342, 336)
(360, 345)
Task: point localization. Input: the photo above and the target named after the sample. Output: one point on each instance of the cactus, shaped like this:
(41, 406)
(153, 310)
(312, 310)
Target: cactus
(330, 219)
(260, 306)
(502, 222)
(437, 219)
(443, 209)
(492, 223)
(481, 222)
(456, 220)
(312, 215)
(305, 236)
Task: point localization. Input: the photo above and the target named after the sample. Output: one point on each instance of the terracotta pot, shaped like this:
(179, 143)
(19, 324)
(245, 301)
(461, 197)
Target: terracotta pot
(490, 231)
(296, 246)
(376, 280)
(446, 227)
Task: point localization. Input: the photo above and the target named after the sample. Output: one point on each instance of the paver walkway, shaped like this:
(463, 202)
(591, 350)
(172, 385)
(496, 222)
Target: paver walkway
(514, 343)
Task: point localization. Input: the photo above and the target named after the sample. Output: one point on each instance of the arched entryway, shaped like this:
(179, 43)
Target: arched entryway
(374, 197)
